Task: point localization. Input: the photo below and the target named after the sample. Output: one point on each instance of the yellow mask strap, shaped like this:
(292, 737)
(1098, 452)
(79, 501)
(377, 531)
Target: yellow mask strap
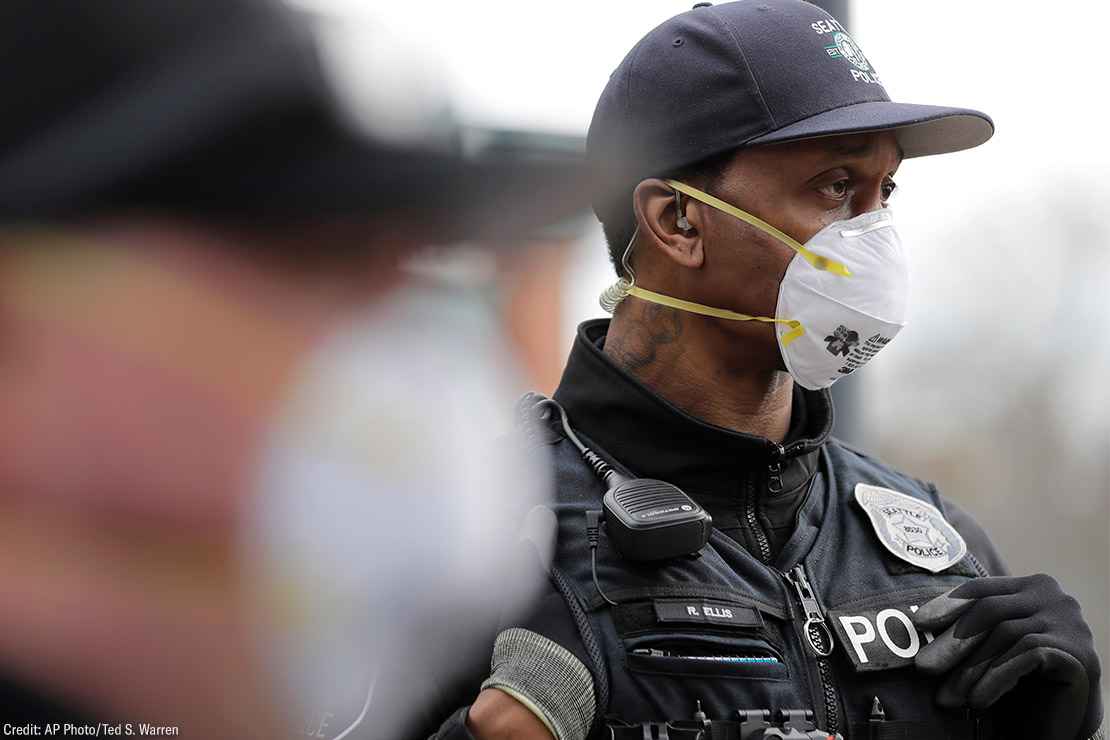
(819, 262)
(796, 329)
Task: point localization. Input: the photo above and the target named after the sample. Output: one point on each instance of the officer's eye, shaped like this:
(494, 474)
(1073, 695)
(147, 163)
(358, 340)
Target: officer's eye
(836, 190)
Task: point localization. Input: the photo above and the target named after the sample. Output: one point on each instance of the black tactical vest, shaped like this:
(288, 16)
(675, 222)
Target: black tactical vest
(828, 630)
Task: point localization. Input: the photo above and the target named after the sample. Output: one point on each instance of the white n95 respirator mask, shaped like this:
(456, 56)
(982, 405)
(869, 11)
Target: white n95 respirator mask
(844, 296)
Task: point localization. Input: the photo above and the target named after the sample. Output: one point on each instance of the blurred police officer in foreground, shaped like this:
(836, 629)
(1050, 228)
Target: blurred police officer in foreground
(756, 150)
(219, 474)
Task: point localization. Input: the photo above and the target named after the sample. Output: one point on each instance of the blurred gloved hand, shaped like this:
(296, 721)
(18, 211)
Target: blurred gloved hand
(1015, 637)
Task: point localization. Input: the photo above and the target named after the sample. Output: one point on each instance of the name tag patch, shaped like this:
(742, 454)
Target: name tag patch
(700, 611)
(879, 639)
(910, 529)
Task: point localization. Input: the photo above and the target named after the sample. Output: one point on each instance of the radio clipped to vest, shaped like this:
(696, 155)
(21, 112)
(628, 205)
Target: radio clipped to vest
(653, 520)
(645, 519)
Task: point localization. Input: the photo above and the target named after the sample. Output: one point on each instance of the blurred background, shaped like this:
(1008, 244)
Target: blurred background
(169, 396)
(997, 389)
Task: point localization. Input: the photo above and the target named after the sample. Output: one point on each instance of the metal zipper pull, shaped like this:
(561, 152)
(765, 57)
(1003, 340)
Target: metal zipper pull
(774, 471)
(817, 630)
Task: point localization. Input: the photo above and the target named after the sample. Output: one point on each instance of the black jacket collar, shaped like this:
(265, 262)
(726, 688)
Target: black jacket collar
(654, 439)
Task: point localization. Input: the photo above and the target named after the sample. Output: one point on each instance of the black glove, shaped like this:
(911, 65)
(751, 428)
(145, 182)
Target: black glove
(1023, 633)
(454, 728)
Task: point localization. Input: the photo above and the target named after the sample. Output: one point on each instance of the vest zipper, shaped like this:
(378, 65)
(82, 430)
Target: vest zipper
(820, 640)
(751, 504)
(751, 520)
(774, 470)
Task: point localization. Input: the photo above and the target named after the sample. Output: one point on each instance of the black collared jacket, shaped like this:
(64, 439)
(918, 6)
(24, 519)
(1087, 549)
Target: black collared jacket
(798, 601)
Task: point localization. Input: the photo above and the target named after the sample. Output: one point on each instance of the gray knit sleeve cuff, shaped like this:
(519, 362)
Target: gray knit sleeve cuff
(545, 677)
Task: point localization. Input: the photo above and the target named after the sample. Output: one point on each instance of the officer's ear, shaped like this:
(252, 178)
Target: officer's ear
(676, 233)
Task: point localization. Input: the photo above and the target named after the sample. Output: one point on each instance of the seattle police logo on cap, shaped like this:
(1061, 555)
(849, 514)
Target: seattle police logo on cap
(844, 46)
(840, 45)
(911, 529)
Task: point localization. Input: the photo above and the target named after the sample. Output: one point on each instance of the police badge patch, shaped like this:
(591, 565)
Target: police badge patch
(911, 529)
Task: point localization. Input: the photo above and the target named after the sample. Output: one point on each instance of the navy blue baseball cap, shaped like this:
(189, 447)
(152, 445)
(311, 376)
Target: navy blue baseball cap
(722, 77)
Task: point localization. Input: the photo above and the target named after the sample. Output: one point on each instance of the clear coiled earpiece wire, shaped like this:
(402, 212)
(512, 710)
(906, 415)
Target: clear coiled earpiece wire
(618, 291)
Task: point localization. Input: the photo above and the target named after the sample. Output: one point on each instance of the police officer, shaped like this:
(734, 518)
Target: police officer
(755, 149)
(192, 232)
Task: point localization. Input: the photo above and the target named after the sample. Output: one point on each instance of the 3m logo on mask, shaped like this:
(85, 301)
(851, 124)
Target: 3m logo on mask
(880, 639)
(842, 341)
(843, 47)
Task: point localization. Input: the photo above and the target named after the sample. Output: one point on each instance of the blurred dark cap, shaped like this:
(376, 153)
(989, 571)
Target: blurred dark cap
(222, 109)
(721, 77)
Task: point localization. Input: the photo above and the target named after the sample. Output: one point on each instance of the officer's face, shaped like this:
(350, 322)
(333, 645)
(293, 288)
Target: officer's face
(137, 358)
(138, 367)
(800, 187)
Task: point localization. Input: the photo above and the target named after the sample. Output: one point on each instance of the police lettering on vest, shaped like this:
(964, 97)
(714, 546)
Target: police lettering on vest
(880, 639)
